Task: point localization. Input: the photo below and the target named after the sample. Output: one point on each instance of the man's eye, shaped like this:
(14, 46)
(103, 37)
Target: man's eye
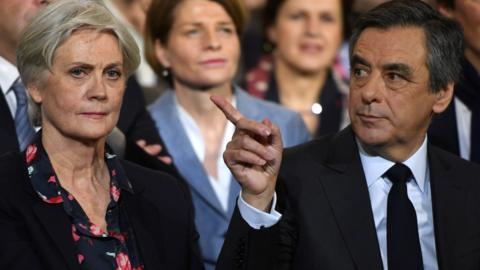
(358, 72)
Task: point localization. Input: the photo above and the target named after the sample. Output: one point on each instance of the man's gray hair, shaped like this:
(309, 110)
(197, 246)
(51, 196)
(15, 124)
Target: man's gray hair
(56, 23)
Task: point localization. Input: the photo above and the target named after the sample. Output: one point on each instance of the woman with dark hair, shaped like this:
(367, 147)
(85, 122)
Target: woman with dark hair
(304, 37)
(195, 45)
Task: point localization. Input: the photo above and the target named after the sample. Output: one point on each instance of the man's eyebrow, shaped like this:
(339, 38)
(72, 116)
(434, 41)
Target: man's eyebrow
(402, 68)
(356, 59)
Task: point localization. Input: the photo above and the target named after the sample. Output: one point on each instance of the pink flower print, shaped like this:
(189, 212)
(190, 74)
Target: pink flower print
(31, 153)
(70, 197)
(115, 193)
(95, 230)
(51, 179)
(123, 262)
(80, 258)
(114, 173)
(117, 235)
(74, 234)
(56, 199)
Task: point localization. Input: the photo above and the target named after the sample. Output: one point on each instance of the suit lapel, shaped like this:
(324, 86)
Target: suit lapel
(346, 189)
(8, 135)
(449, 202)
(171, 130)
(59, 228)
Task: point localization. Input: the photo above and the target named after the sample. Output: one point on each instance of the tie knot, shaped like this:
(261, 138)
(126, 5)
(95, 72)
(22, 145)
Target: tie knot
(399, 173)
(20, 92)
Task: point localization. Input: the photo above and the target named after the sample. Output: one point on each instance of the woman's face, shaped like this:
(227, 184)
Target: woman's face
(202, 49)
(81, 95)
(307, 34)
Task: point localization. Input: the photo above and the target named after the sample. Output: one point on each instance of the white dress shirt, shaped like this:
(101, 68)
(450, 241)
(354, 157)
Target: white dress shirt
(418, 190)
(221, 185)
(464, 127)
(8, 75)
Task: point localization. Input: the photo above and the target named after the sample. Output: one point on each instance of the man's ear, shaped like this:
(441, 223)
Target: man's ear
(443, 98)
(162, 54)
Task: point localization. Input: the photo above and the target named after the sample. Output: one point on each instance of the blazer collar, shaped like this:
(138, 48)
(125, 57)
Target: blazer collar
(171, 130)
(345, 186)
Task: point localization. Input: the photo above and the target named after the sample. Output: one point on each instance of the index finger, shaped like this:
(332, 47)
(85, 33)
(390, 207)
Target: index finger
(232, 114)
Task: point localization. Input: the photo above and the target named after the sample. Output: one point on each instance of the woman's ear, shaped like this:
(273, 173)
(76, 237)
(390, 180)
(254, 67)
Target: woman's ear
(162, 54)
(443, 98)
(35, 92)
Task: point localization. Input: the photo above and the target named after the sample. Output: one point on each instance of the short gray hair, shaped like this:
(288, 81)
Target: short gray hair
(56, 23)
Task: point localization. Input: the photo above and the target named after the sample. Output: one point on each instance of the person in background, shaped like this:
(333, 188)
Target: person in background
(458, 129)
(68, 202)
(376, 195)
(195, 45)
(305, 35)
(16, 129)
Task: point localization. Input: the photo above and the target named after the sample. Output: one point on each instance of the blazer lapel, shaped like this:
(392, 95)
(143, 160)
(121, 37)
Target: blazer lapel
(449, 202)
(171, 130)
(147, 244)
(345, 186)
(59, 228)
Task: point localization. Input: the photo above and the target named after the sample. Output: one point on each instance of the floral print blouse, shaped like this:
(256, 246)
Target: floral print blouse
(97, 249)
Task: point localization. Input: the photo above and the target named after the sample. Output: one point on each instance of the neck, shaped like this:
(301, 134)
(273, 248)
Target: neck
(294, 85)
(198, 105)
(399, 153)
(8, 53)
(473, 57)
(75, 162)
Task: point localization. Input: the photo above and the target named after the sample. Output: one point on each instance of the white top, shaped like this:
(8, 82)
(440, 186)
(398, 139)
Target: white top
(221, 186)
(8, 75)
(464, 123)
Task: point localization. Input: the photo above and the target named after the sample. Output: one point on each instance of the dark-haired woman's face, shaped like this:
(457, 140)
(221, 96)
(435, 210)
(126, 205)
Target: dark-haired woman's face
(307, 33)
(203, 47)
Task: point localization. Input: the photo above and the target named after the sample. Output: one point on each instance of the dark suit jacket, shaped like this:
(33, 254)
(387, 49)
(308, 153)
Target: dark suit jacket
(327, 220)
(37, 235)
(8, 135)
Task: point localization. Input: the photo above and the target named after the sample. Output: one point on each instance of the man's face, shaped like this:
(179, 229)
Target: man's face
(390, 101)
(15, 15)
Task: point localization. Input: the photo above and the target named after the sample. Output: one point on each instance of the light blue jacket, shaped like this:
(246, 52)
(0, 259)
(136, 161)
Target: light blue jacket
(211, 220)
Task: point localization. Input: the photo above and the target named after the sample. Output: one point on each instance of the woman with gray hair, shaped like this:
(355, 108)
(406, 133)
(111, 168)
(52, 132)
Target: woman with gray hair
(74, 205)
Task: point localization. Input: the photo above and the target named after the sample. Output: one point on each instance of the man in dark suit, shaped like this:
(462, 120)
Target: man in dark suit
(457, 130)
(377, 195)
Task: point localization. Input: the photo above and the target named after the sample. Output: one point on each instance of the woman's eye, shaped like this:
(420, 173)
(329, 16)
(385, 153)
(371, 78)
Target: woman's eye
(77, 72)
(114, 74)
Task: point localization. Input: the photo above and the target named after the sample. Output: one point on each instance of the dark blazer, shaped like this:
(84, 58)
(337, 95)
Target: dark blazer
(8, 135)
(37, 235)
(327, 220)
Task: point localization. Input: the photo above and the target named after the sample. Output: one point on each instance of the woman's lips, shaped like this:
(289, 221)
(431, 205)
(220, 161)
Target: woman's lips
(310, 48)
(94, 115)
(217, 62)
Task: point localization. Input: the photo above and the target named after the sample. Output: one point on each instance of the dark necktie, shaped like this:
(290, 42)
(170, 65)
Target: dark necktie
(23, 127)
(403, 244)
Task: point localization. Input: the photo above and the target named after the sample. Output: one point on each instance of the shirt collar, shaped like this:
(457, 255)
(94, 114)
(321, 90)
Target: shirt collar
(375, 166)
(8, 75)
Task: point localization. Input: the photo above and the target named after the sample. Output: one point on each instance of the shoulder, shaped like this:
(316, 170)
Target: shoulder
(453, 162)
(163, 102)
